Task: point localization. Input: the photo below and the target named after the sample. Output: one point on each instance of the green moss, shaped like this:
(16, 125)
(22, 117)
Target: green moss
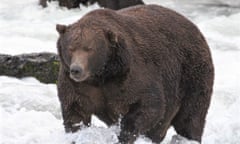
(44, 72)
(28, 68)
(55, 68)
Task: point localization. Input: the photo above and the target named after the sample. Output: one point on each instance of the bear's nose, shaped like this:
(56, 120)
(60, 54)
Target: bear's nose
(75, 70)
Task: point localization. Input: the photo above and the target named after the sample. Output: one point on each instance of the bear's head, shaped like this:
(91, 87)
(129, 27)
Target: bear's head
(91, 54)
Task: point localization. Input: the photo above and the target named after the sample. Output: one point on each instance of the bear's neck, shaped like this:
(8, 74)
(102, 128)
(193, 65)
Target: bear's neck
(114, 71)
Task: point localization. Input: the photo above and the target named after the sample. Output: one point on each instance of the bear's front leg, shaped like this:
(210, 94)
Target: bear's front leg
(72, 111)
(74, 117)
(140, 119)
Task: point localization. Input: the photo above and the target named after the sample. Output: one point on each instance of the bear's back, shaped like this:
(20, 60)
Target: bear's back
(157, 36)
(164, 32)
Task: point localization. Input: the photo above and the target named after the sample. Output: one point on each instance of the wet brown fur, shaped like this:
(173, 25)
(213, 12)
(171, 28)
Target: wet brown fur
(151, 65)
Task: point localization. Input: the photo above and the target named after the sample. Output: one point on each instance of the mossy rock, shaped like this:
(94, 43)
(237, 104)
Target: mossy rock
(43, 66)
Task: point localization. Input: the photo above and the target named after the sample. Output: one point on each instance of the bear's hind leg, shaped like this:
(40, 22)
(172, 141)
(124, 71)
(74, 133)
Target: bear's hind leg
(196, 89)
(158, 133)
(189, 121)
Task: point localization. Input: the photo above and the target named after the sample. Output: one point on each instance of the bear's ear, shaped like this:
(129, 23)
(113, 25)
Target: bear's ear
(114, 38)
(61, 28)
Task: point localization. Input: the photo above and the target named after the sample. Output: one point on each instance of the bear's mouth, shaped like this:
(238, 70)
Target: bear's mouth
(79, 78)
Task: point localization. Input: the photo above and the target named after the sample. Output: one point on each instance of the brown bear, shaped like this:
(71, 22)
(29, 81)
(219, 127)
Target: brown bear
(112, 4)
(147, 65)
(64, 3)
(116, 4)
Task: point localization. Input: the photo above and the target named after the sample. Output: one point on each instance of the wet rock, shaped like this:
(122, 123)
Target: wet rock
(43, 66)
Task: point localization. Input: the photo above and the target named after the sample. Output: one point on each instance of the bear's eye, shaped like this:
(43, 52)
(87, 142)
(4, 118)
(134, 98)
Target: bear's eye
(71, 49)
(87, 48)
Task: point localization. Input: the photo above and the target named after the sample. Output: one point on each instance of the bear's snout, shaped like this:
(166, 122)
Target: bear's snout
(77, 73)
(75, 70)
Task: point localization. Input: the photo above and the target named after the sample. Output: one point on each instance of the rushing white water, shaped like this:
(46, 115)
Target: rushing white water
(30, 112)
